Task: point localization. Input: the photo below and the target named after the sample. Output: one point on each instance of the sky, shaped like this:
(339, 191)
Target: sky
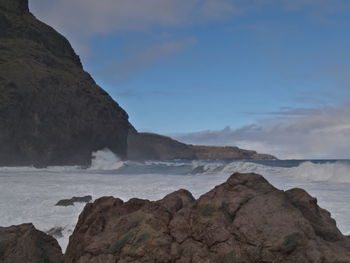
(269, 75)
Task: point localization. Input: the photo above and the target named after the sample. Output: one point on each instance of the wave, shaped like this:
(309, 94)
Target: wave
(201, 168)
(105, 160)
(165, 163)
(337, 172)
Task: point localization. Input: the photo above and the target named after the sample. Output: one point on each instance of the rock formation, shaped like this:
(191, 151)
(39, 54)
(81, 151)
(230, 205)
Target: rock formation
(68, 202)
(150, 146)
(51, 110)
(243, 220)
(25, 244)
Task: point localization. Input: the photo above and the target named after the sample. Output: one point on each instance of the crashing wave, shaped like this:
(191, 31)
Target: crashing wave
(105, 160)
(337, 172)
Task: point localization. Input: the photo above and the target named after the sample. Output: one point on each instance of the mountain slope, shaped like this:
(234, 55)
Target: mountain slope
(51, 110)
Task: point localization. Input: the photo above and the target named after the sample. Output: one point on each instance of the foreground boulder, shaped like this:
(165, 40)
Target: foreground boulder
(150, 146)
(243, 220)
(51, 110)
(25, 244)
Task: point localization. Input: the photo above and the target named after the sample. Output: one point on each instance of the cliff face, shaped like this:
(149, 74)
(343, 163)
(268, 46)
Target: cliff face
(51, 110)
(149, 146)
(242, 220)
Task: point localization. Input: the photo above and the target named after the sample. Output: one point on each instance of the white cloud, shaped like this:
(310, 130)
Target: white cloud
(90, 17)
(83, 20)
(321, 133)
(115, 69)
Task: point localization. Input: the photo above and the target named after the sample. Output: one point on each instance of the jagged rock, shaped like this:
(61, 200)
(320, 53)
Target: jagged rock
(242, 220)
(150, 146)
(25, 244)
(51, 110)
(55, 232)
(68, 202)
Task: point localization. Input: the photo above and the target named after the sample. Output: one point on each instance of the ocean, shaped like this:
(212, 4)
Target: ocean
(29, 195)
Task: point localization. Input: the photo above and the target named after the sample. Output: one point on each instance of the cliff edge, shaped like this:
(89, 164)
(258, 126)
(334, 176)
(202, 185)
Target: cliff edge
(51, 110)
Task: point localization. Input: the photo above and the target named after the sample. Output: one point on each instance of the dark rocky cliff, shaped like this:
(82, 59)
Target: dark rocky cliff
(51, 110)
(149, 146)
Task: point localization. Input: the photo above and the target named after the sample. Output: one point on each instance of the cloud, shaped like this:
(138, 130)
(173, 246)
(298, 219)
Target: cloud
(317, 133)
(153, 54)
(115, 68)
(326, 6)
(288, 111)
(90, 17)
(83, 21)
(140, 94)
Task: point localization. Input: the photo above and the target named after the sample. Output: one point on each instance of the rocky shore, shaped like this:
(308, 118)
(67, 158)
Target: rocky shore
(245, 219)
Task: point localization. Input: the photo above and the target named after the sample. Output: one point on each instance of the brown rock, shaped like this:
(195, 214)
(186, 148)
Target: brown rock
(243, 220)
(25, 244)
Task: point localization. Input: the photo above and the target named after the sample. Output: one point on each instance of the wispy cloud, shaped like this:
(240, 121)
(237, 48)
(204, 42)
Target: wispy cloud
(89, 17)
(140, 94)
(288, 111)
(115, 69)
(153, 54)
(314, 133)
(83, 19)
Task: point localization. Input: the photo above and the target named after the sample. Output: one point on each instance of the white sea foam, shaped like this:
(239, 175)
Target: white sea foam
(164, 163)
(30, 195)
(105, 160)
(337, 172)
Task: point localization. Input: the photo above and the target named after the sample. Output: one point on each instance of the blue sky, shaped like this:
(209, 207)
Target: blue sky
(183, 67)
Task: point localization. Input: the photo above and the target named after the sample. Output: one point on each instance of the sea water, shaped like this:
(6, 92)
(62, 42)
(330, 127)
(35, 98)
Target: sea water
(29, 195)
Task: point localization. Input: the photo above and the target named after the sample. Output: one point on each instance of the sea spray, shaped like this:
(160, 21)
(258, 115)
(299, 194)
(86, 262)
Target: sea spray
(332, 171)
(337, 172)
(30, 195)
(105, 160)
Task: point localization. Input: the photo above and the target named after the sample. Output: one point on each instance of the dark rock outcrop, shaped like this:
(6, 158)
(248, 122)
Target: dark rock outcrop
(51, 110)
(68, 202)
(243, 220)
(150, 146)
(55, 232)
(25, 244)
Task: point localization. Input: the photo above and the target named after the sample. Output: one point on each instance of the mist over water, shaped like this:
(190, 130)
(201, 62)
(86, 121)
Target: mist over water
(29, 195)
